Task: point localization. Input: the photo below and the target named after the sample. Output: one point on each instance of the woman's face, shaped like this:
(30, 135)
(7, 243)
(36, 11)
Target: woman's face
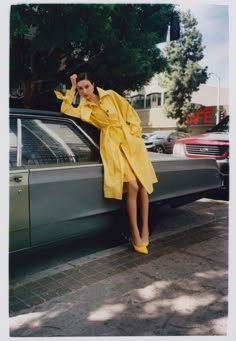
(85, 88)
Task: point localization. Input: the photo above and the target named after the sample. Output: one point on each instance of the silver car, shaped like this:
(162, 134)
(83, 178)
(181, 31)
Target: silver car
(163, 141)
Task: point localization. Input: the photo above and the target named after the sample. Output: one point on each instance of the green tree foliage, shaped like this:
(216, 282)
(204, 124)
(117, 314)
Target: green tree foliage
(183, 74)
(117, 42)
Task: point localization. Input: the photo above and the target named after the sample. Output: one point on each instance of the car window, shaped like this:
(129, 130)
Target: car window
(182, 135)
(222, 127)
(172, 136)
(47, 142)
(13, 143)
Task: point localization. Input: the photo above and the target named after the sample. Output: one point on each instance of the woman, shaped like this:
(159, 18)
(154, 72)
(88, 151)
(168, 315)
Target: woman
(127, 167)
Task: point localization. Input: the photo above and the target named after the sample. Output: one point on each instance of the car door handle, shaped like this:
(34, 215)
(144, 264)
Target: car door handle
(18, 178)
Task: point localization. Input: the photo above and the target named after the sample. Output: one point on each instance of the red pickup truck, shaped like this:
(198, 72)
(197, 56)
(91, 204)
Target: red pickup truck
(213, 144)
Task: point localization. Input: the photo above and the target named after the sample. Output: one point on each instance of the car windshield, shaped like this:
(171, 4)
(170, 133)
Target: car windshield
(222, 127)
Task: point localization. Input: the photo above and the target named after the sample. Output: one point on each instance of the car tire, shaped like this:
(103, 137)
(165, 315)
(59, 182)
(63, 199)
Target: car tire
(158, 149)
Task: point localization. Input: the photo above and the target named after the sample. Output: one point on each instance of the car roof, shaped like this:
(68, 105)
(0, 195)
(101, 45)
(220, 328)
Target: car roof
(35, 112)
(162, 133)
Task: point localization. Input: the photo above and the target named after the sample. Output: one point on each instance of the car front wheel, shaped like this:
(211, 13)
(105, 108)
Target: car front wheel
(159, 149)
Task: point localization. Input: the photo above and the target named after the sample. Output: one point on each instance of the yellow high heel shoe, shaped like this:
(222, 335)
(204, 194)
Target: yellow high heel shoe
(146, 244)
(140, 249)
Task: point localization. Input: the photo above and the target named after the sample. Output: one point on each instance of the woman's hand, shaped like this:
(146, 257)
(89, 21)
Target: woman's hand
(73, 81)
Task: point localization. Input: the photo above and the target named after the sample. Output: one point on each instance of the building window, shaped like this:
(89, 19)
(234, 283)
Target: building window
(138, 101)
(153, 100)
(164, 98)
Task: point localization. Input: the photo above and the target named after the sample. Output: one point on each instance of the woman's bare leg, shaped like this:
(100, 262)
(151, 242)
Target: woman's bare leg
(132, 195)
(144, 206)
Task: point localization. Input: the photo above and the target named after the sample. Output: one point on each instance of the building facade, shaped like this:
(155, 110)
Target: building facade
(149, 103)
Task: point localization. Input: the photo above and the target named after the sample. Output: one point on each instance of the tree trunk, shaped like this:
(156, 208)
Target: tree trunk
(31, 90)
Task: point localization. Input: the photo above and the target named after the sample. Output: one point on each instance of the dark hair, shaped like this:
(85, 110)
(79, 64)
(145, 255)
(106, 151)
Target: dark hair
(85, 75)
(88, 76)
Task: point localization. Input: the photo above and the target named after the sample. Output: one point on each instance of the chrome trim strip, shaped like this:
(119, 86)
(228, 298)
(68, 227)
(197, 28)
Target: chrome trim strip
(64, 167)
(19, 144)
(18, 171)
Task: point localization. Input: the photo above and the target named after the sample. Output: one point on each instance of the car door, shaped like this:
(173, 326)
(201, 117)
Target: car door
(19, 228)
(171, 141)
(65, 181)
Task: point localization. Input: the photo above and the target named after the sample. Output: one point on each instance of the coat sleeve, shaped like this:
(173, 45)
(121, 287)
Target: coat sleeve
(129, 114)
(68, 109)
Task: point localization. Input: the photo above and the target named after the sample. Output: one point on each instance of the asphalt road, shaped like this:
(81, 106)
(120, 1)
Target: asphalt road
(167, 221)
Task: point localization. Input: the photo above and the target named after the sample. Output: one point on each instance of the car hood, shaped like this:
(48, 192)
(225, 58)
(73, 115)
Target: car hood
(206, 138)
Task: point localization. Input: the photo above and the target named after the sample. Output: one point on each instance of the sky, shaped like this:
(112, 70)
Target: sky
(213, 24)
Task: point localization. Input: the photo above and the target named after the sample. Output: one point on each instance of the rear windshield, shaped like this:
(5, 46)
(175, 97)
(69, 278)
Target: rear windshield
(222, 127)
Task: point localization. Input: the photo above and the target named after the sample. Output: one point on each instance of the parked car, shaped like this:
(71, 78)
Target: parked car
(146, 135)
(213, 144)
(163, 141)
(56, 180)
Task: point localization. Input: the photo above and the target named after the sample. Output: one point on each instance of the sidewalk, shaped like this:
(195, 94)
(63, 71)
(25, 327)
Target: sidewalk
(179, 288)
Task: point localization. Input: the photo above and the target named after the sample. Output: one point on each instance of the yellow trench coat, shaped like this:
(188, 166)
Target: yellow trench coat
(120, 131)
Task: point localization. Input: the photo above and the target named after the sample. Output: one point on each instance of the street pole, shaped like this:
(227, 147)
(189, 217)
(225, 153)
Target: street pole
(218, 97)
